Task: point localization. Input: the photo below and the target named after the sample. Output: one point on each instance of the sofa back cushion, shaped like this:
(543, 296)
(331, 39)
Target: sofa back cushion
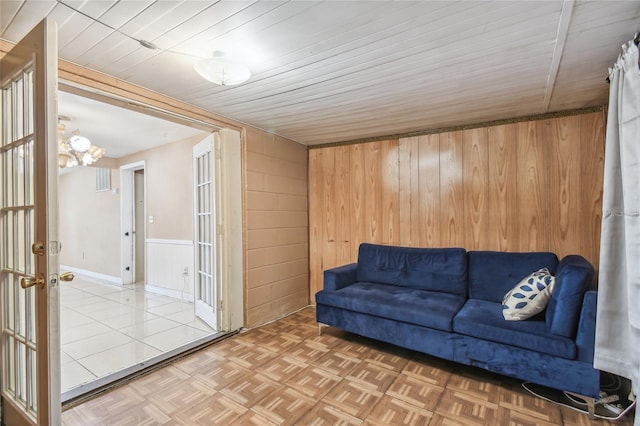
(573, 278)
(492, 274)
(434, 269)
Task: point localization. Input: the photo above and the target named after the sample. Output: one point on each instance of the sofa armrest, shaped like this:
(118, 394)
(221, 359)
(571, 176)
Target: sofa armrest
(340, 277)
(586, 336)
(574, 277)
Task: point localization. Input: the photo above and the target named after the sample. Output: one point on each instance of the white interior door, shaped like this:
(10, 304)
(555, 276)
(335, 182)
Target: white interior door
(206, 268)
(29, 264)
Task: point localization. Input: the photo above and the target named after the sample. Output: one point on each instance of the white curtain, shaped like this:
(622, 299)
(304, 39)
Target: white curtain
(618, 320)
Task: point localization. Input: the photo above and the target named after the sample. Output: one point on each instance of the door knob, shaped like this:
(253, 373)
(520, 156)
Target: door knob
(37, 248)
(27, 282)
(67, 276)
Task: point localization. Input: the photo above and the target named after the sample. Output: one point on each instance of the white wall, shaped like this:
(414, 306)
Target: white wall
(89, 224)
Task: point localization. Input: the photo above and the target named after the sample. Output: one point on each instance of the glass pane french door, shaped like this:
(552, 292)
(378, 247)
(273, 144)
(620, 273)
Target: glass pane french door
(28, 253)
(205, 232)
(17, 219)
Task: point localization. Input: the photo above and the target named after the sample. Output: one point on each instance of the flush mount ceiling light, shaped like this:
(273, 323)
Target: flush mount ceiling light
(221, 70)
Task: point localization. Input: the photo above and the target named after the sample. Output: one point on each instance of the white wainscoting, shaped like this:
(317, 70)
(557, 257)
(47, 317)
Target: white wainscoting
(166, 263)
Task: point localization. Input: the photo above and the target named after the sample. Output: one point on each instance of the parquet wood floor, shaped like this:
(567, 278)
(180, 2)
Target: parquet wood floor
(285, 374)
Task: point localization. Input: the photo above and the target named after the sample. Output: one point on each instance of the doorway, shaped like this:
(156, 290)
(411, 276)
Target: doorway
(151, 288)
(139, 232)
(133, 229)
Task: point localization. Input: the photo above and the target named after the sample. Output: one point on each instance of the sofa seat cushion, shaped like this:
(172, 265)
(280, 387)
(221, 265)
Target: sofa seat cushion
(483, 320)
(420, 307)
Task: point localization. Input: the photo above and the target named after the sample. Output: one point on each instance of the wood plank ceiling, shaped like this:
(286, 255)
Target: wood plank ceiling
(334, 71)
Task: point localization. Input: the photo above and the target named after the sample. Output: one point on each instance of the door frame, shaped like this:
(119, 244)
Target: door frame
(127, 221)
(84, 82)
(230, 183)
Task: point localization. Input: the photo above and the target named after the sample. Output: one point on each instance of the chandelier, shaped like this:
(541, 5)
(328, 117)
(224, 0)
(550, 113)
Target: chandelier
(76, 150)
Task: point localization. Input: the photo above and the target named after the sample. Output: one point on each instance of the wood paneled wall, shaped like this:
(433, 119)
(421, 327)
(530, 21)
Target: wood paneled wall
(527, 186)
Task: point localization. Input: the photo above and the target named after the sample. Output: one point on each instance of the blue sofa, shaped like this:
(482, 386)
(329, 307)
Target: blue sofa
(448, 303)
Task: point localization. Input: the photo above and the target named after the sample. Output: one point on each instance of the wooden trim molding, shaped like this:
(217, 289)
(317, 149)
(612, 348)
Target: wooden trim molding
(136, 95)
(545, 116)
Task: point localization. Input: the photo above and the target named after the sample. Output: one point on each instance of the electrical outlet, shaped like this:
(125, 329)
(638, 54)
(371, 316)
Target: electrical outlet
(185, 271)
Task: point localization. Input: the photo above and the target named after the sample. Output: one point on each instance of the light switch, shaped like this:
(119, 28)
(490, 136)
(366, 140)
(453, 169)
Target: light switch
(150, 219)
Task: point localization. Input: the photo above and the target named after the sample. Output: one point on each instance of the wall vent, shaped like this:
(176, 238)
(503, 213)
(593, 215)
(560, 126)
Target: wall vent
(103, 179)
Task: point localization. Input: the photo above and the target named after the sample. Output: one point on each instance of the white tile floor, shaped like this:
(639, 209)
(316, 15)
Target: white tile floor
(106, 328)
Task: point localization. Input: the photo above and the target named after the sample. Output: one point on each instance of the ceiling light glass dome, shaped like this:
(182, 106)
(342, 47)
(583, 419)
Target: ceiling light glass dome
(221, 70)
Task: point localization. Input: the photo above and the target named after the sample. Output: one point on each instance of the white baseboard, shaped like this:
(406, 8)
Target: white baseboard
(97, 275)
(171, 242)
(187, 297)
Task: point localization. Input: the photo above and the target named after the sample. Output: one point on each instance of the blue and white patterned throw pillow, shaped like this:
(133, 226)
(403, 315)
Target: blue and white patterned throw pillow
(529, 297)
